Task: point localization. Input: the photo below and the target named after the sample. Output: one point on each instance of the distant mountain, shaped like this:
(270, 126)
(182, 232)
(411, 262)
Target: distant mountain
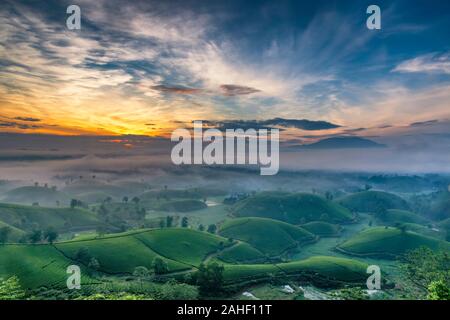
(343, 142)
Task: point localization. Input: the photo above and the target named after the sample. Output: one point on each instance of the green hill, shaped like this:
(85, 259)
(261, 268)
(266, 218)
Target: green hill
(373, 201)
(322, 270)
(42, 195)
(93, 197)
(388, 242)
(242, 252)
(269, 236)
(403, 216)
(322, 229)
(63, 219)
(182, 205)
(294, 208)
(36, 265)
(15, 233)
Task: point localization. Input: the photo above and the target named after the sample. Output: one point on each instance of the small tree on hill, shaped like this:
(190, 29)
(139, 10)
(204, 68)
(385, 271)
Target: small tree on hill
(169, 221)
(184, 222)
(212, 228)
(209, 278)
(51, 235)
(35, 236)
(160, 266)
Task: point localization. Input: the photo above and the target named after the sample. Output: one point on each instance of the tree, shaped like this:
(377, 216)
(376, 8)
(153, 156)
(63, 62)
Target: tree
(201, 227)
(10, 289)
(438, 290)
(184, 222)
(212, 228)
(160, 266)
(136, 200)
(35, 236)
(141, 273)
(169, 221)
(421, 267)
(209, 278)
(4, 234)
(73, 203)
(94, 264)
(51, 234)
(83, 255)
(125, 199)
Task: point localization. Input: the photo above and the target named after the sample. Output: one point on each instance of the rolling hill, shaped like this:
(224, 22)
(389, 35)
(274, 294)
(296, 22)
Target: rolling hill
(403, 216)
(294, 208)
(322, 229)
(182, 205)
(372, 201)
(268, 236)
(63, 219)
(321, 270)
(388, 242)
(42, 195)
(182, 249)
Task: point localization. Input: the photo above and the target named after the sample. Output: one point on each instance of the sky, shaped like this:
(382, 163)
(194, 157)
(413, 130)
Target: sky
(311, 68)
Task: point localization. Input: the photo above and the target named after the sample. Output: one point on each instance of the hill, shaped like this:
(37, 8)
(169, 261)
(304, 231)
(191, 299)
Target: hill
(268, 236)
(321, 270)
(63, 219)
(403, 216)
(344, 143)
(373, 201)
(15, 233)
(294, 208)
(388, 242)
(42, 195)
(322, 229)
(182, 205)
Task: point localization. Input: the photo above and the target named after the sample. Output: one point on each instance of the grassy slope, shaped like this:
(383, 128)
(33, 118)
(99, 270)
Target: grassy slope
(182, 205)
(29, 195)
(333, 268)
(371, 201)
(15, 233)
(59, 218)
(35, 265)
(388, 242)
(266, 235)
(323, 229)
(293, 208)
(403, 216)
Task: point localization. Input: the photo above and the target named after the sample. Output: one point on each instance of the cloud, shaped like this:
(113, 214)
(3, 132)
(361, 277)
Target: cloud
(235, 90)
(13, 124)
(29, 119)
(268, 124)
(176, 90)
(423, 123)
(429, 63)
